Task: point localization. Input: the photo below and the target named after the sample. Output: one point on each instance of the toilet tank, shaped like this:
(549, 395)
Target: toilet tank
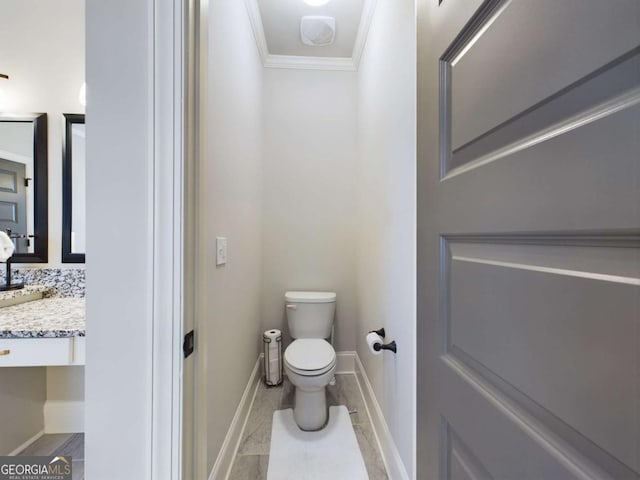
(310, 314)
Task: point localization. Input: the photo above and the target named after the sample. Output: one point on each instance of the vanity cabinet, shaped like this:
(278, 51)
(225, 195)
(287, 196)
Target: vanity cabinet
(43, 333)
(42, 352)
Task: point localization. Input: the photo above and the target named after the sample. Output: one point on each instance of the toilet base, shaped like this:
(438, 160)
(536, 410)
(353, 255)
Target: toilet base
(310, 409)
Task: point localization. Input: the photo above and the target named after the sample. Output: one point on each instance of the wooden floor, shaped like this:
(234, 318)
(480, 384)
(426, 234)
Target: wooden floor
(63, 444)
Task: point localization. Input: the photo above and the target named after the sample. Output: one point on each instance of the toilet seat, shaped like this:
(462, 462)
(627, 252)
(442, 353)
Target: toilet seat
(310, 356)
(310, 373)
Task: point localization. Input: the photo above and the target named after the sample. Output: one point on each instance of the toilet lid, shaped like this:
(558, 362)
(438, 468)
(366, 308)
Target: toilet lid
(310, 354)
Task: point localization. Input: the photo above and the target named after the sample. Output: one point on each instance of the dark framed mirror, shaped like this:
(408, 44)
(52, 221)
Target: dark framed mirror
(24, 185)
(73, 189)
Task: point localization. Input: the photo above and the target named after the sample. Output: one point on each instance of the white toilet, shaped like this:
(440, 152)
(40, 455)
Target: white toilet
(310, 360)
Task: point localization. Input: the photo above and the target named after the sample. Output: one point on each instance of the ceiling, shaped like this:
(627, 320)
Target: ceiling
(281, 24)
(276, 25)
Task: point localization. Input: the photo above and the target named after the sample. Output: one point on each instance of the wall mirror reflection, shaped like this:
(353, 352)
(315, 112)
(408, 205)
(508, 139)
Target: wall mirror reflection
(73, 189)
(23, 185)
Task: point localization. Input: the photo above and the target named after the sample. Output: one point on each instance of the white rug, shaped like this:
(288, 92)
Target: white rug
(329, 454)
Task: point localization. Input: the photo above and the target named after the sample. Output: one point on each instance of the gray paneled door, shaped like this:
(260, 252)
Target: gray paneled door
(529, 239)
(13, 198)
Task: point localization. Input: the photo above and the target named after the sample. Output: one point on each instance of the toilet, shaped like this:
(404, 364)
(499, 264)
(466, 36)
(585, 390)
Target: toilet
(310, 360)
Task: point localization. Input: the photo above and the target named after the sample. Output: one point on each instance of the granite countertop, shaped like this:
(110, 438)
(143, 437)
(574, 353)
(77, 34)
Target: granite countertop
(46, 318)
(27, 290)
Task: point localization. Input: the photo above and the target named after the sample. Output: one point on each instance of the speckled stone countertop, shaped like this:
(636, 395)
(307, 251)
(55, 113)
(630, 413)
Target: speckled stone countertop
(46, 318)
(27, 290)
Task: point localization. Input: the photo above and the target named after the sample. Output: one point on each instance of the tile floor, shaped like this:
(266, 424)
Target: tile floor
(252, 458)
(71, 444)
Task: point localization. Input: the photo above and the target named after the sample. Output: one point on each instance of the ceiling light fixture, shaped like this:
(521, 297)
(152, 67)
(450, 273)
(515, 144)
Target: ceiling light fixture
(317, 31)
(316, 3)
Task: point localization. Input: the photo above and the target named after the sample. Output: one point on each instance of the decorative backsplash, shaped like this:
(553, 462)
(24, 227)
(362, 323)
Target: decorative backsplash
(62, 282)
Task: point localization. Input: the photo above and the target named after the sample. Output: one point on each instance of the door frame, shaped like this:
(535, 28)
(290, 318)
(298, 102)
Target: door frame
(168, 158)
(173, 233)
(178, 442)
(177, 386)
(135, 323)
(197, 86)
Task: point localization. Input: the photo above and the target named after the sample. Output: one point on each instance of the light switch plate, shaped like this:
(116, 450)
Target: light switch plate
(221, 250)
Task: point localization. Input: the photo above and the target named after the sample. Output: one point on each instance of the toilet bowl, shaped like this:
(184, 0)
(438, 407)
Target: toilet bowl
(310, 364)
(310, 360)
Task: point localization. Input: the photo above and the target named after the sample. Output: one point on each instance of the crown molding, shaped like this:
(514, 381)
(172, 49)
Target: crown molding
(310, 63)
(368, 10)
(347, 64)
(258, 30)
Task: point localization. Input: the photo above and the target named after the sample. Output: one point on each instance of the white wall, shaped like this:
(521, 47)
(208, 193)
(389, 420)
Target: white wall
(61, 386)
(386, 214)
(42, 49)
(22, 396)
(310, 153)
(230, 192)
(64, 409)
(119, 307)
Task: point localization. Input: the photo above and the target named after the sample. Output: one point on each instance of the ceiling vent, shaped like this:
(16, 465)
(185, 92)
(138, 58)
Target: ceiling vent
(317, 31)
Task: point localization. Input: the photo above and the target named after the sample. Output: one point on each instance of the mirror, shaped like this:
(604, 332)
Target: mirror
(73, 189)
(24, 184)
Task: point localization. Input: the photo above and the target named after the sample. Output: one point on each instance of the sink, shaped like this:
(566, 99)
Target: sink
(27, 294)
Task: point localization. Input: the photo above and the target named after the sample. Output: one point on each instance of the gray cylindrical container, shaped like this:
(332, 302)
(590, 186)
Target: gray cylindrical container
(272, 340)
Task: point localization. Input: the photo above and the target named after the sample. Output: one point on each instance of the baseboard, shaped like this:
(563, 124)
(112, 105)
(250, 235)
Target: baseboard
(63, 416)
(346, 362)
(224, 462)
(390, 454)
(26, 444)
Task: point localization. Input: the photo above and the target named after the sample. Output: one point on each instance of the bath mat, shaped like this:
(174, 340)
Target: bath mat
(329, 454)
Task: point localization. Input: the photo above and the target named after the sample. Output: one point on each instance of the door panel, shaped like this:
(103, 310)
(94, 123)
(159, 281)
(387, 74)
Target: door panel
(502, 439)
(586, 178)
(552, 336)
(582, 101)
(8, 213)
(461, 463)
(502, 79)
(13, 198)
(529, 239)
